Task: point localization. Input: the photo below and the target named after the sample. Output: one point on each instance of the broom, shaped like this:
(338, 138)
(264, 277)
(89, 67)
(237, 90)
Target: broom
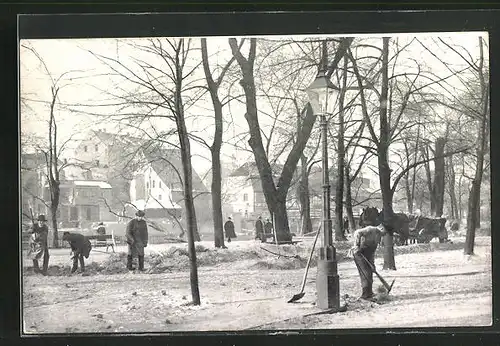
(301, 294)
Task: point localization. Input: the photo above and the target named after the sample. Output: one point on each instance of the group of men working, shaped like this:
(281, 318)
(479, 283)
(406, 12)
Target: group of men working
(136, 237)
(365, 244)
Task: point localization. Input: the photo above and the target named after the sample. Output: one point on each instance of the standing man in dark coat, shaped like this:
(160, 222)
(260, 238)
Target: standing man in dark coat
(229, 229)
(365, 244)
(80, 247)
(346, 227)
(268, 227)
(39, 245)
(259, 229)
(137, 240)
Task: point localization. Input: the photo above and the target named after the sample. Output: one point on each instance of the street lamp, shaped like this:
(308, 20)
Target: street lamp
(327, 281)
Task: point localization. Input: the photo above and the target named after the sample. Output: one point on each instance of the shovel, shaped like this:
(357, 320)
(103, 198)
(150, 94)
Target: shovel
(301, 294)
(387, 286)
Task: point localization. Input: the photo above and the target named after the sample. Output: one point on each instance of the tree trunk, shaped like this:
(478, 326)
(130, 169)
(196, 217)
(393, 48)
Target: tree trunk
(475, 192)
(414, 175)
(304, 198)
(281, 225)
(216, 198)
(383, 162)
(215, 149)
(339, 188)
(53, 214)
(408, 188)
(409, 197)
(192, 227)
(439, 172)
(348, 199)
(429, 182)
(472, 217)
(460, 204)
(55, 194)
(389, 261)
(451, 188)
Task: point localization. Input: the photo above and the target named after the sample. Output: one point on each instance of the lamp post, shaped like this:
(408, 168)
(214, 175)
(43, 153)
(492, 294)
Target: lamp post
(327, 281)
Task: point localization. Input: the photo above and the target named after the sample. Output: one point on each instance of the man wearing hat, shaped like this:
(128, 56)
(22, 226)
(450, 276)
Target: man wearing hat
(101, 230)
(80, 246)
(137, 239)
(229, 229)
(38, 244)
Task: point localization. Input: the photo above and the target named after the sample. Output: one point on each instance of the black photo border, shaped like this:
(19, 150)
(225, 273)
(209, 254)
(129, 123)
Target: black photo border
(176, 21)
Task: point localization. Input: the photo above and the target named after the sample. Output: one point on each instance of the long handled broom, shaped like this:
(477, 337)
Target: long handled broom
(301, 294)
(386, 285)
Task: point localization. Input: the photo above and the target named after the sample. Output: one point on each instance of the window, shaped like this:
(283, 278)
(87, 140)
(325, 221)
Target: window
(73, 214)
(159, 184)
(85, 148)
(245, 197)
(96, 147)
(153, 183)
(159, 197)
(147, 185)
(89, 213)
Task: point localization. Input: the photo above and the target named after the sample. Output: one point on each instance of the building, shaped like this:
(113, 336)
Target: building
(121, 159)
(31, 180)
(82, 202)
(163, 175)
(150, 192)
(246, 197)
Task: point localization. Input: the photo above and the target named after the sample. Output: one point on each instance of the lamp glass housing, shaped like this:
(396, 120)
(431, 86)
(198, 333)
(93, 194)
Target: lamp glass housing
(320, 92)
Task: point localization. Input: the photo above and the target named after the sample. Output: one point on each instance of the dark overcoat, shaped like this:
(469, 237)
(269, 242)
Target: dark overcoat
(229, 229)
(38, 241)
(137, 236)
(268, 227)
(79, 243)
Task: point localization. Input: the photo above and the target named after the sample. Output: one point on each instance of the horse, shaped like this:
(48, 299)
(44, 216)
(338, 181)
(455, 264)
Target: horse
(370, 216)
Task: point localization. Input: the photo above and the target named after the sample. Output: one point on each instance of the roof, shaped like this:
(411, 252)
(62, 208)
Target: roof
(101, 184)
(167, 163)
(250, 169)
(151, 203)
(115, 138)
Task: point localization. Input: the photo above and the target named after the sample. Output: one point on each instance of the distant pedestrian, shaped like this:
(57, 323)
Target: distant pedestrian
(268, 227)
(137, 239)
(101, 230)
(80, 248)
(259, 229)
(39, 244)
(229, 229)
(346, 227)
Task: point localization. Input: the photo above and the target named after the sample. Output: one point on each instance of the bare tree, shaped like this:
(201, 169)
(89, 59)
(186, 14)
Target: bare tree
(52, 148)
(275, 194)
(215, 148)
(160, 93)
(472, 101)
(389, 131)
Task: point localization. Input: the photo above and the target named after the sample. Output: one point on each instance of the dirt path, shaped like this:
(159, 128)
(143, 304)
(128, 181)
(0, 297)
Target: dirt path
(439, 288)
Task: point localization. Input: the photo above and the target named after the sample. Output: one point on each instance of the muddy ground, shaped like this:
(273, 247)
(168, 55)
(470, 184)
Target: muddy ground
(246, 287)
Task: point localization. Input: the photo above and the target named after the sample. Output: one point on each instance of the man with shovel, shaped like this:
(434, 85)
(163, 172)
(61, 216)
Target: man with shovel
(365, 244)
(80, 248)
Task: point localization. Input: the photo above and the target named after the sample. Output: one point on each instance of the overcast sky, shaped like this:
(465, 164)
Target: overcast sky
(89, 80)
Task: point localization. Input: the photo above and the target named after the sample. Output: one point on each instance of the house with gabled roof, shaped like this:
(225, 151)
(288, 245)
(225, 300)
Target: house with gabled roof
(158, 183)
(246, 197)
(120, 159)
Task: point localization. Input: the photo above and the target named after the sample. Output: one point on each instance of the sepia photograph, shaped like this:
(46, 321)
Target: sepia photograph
(255, 183)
